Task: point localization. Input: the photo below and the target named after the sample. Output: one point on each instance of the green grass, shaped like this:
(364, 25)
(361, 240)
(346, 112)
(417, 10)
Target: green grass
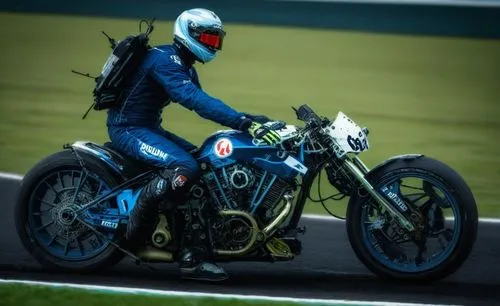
(44, 296)
(437, 96)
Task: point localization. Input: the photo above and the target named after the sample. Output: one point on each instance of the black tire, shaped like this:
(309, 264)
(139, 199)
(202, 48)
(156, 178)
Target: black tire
(108, 257)
(467, 208)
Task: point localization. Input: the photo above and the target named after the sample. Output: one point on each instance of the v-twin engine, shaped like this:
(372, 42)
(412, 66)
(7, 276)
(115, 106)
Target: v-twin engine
(252, 190)
(252, 204)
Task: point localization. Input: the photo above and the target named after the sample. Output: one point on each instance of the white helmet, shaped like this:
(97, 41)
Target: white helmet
(201, 31)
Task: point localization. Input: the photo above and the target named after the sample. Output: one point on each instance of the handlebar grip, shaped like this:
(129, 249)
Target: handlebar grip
(275, 125)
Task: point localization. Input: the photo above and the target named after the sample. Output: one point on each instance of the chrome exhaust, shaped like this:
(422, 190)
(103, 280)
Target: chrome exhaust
(271, 227)
(257, 234)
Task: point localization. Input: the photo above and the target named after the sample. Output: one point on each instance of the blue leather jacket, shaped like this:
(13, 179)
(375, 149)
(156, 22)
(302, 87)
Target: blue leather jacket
(164, 78)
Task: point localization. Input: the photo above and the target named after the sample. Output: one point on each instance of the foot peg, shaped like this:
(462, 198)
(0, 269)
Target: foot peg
(294, 244)
(279, 249)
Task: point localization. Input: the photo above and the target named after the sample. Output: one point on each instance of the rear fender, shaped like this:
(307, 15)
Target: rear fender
(88, 149)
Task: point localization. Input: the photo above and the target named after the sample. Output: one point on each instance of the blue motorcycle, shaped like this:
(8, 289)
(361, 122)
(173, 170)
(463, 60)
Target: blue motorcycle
(409, 218)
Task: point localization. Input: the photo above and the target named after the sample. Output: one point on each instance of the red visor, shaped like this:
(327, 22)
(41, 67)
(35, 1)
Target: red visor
(211, 40)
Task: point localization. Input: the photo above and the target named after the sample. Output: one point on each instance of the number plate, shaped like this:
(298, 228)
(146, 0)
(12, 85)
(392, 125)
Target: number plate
(348, 136)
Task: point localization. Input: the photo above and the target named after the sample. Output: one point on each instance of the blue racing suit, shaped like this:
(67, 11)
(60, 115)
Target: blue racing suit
(135, 127)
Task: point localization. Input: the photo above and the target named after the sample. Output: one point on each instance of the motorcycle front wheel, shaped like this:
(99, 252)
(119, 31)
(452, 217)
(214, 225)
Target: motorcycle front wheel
(444, 209)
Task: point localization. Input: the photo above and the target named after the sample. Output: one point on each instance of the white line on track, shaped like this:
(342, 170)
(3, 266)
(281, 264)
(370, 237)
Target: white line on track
(18, 177)
(11, 176)
(329, 218)
(187, 294)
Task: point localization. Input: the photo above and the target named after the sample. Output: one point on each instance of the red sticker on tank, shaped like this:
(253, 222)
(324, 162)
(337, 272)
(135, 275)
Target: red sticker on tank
(223, 148)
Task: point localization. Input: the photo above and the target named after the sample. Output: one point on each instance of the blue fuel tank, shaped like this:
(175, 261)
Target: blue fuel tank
(229, 147)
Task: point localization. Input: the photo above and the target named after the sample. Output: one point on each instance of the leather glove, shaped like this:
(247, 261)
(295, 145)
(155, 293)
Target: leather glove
(262, 132)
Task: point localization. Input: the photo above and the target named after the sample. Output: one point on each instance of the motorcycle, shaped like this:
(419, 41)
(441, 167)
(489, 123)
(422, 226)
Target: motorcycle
(410, 218)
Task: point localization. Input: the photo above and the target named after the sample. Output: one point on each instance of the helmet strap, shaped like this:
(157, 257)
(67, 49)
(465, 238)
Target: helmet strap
(184, 53)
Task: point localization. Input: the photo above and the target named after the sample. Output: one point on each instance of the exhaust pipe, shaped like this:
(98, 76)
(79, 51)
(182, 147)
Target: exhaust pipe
(271, 227)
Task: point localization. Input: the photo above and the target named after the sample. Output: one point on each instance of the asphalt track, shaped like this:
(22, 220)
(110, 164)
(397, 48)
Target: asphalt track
(327, 269)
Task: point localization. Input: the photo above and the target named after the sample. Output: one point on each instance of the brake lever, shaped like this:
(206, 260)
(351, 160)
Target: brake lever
(275, 125)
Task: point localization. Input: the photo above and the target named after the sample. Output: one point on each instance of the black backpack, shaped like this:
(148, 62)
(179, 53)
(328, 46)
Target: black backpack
(122, 63)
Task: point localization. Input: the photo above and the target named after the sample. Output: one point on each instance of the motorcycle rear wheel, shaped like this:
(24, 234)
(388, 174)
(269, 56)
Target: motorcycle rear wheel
(44, 216)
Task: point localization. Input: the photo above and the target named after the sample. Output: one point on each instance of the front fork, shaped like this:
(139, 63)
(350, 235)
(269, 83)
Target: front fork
(359, 170)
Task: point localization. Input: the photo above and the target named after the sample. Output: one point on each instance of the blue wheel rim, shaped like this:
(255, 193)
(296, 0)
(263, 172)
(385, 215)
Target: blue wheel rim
(52, 222)
(408, 265)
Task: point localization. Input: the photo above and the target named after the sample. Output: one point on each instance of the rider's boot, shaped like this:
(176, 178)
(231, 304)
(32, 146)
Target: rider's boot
(192, 266)
(170, 182)
(192, 260)
(145, 210)
(194, 257)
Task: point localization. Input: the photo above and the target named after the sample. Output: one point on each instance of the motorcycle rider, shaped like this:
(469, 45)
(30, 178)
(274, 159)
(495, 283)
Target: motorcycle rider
(168, 75)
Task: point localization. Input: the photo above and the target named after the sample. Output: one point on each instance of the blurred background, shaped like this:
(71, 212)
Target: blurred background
(423, 75)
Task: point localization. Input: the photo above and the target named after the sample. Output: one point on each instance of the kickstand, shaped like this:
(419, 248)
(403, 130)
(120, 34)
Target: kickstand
(138, 261)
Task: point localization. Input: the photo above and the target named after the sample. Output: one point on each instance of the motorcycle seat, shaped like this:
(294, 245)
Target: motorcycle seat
(132, 166)
(114, 158)
(128, 165)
